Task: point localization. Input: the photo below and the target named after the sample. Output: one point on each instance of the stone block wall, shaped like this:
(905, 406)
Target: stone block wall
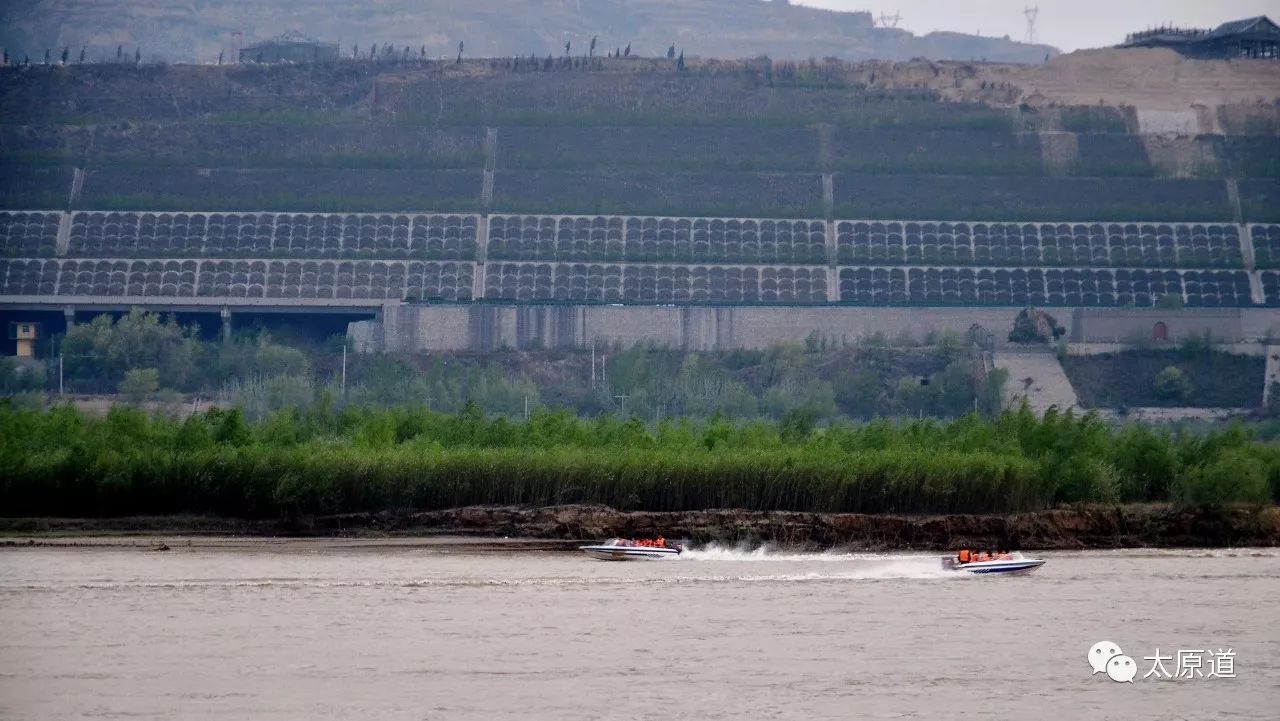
(487, 326)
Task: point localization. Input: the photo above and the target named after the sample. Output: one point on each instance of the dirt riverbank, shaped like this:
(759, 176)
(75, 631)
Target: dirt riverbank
(1067, 528)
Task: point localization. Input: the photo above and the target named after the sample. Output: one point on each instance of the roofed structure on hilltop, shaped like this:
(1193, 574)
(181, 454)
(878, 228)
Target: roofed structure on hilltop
(1256, 37)
(291, 47)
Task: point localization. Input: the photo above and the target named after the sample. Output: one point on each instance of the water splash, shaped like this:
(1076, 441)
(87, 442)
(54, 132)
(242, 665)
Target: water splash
(767, 552)
(836, 565)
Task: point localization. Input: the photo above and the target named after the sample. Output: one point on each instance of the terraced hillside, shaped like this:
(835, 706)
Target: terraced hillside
(620, 181)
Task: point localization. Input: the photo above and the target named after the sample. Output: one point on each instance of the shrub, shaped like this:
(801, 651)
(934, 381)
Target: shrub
(140, 384)
(1172, 385)
(1235, 477)
(1035, 326)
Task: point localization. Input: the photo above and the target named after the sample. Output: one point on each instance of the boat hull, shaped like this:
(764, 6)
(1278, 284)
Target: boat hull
(1002, 567)
(629, 553)
(1007, 567)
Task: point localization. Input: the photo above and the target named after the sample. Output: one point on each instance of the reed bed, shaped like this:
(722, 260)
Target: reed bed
(62, 463)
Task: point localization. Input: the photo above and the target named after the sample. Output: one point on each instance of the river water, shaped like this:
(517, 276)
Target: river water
(457, 630)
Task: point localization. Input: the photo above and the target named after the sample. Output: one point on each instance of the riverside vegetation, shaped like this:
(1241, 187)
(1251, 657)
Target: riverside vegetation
(315, 460)
(145, 357)
(803, 427)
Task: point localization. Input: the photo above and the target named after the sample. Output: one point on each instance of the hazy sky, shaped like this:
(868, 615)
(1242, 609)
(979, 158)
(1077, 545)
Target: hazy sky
(1067, 24)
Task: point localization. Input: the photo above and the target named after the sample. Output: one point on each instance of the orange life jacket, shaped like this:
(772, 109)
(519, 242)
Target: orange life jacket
(964, 555)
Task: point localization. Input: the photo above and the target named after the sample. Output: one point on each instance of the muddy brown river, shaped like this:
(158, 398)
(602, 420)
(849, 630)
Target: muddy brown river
(459, 630)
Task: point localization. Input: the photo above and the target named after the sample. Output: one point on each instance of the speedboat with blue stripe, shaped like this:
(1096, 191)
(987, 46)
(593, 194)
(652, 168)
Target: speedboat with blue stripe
(1004, 563)
(622, 549)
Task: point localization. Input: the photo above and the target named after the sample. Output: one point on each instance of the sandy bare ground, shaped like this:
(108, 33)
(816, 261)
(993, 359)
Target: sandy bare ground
(1147, 79)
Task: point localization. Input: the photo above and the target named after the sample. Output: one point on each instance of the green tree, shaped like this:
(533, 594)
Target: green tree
(139, 384)
(278, 360)
(915, 396)
(859, 393)
(17, 377)
(956, 390)
(1171, 384)
(100, 352)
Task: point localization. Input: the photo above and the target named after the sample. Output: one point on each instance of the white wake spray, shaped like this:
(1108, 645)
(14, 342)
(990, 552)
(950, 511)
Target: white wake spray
(835, 565)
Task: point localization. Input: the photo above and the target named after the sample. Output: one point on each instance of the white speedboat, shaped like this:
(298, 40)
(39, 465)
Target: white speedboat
(621, 549)
(1007, 563)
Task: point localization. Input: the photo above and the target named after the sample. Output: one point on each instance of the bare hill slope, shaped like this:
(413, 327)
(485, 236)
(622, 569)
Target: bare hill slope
(197, 30)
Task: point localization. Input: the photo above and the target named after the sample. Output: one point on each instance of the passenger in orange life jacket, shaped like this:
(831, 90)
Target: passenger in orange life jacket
(963, 556)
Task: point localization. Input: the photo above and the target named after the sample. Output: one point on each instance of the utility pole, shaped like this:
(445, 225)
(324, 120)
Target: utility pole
(59, 374)
(526, 406)
(344, 369)
(593, 364)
